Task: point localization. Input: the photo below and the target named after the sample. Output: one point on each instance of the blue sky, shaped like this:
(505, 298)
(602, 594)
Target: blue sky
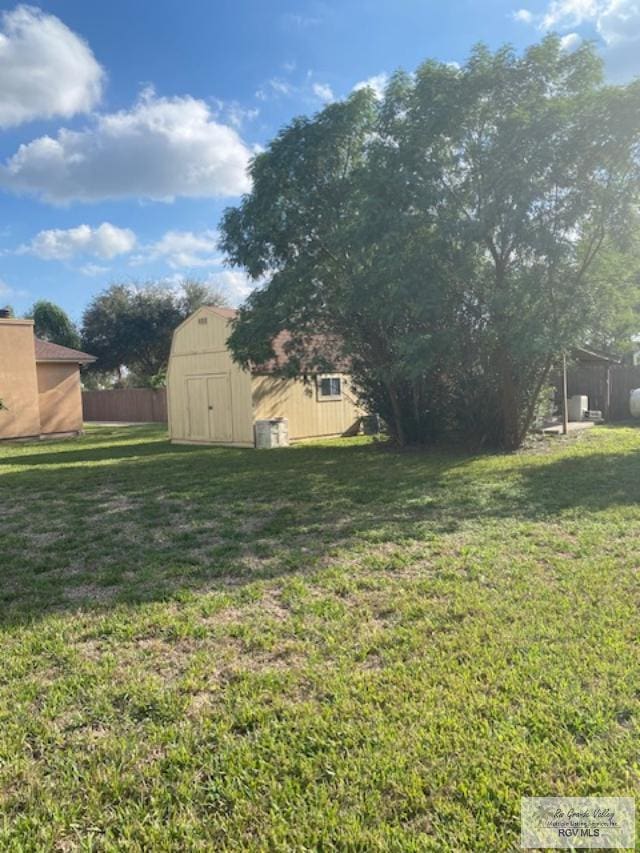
(125, 127)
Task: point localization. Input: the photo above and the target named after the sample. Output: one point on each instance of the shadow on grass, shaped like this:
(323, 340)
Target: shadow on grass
(588, 484)
(106, 453)
(95, 446)
(143, 520)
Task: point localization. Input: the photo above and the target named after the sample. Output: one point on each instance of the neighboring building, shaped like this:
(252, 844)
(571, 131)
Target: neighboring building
(212, 400)
(39, 384)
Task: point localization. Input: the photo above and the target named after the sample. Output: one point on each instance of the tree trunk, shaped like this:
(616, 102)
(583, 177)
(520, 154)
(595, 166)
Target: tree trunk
(510, 431)
(531, 408)
(397, 414)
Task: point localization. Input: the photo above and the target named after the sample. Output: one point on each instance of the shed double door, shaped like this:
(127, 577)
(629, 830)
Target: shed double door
(209, 407)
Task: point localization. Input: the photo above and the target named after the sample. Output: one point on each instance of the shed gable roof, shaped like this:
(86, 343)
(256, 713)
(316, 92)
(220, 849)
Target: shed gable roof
(595, 356)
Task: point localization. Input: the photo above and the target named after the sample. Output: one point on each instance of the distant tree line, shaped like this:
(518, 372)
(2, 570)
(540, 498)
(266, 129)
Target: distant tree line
(127, 327)
(457, 236)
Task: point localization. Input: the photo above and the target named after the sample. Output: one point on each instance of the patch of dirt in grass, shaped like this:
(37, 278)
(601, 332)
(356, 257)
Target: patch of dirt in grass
(248, 661)
(256, 517)
(90, 592)
(113, 503)
(91, 649)
(202, 555)
(271, 604)
(167, 659)
(228, 616)
(283, 658)
(72, 724)
(18, 508)
(371, 662)
(44, 538)
(92, 733)
(200, 703)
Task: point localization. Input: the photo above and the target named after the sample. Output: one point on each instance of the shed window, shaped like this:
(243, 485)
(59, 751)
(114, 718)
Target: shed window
(329, 388)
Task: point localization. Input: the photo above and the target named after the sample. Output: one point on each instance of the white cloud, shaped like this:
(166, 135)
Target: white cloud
(570, 42)
(159, 149)
(238, 115)
(617, 22)
(378, 83)
(274, 88)
(93, 270)
(6, 291)
(303, 87)
(46, 70)
(106, 241)
(569, 13)
(234, 284)
(182, 249)
(561, 14)
(323, 91)
(301, 22)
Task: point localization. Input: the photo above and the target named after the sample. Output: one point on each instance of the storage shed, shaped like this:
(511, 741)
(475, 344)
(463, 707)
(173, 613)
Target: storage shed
(212, 400)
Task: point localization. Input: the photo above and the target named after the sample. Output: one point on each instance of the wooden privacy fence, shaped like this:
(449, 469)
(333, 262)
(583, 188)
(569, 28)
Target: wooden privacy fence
(607, 387)
(125, 404)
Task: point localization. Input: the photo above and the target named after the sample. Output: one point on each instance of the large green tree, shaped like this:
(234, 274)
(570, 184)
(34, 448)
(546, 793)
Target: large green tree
(615, 277)
(52, 323)
(445, 235)
(128, 327)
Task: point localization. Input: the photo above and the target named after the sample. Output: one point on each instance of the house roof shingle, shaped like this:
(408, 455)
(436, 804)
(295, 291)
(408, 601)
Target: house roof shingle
(47, 351)
(318, 345)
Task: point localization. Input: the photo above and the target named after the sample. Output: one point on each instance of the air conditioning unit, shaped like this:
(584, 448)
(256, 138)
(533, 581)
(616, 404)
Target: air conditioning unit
(271, 432)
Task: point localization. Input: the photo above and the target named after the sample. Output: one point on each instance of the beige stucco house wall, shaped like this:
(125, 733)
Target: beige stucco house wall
(60, 397)
(211, 400)
(39, 384)
(18, 380)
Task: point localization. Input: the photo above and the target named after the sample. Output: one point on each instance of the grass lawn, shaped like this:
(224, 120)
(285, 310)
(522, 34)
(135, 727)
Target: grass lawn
(331, 647)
